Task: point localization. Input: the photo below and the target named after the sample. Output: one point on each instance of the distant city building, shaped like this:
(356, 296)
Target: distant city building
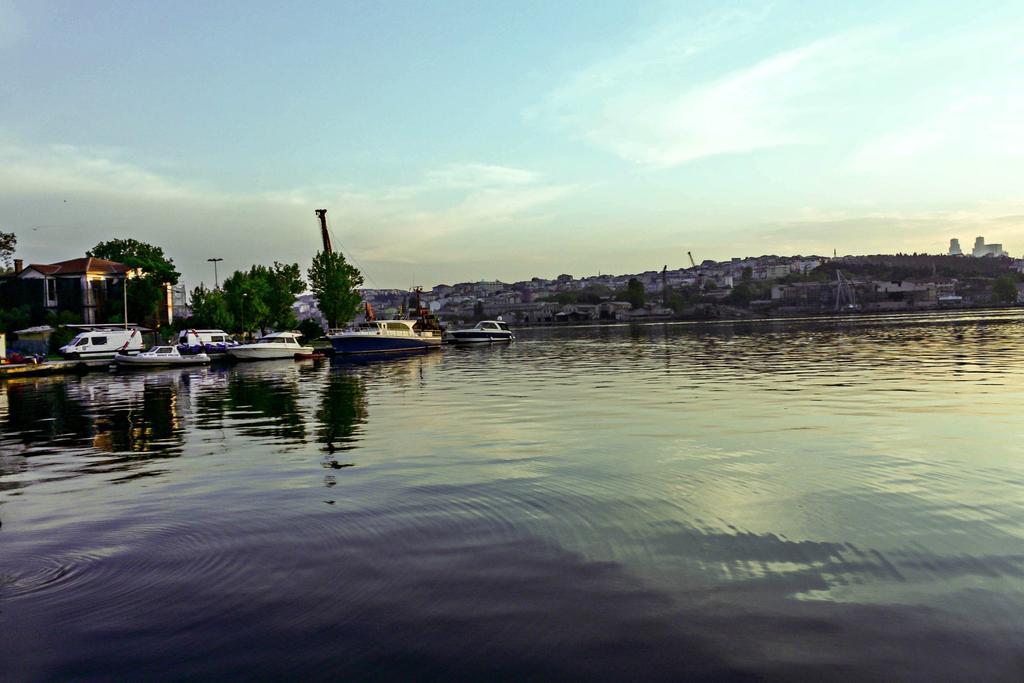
(954, 248)
(981, 249)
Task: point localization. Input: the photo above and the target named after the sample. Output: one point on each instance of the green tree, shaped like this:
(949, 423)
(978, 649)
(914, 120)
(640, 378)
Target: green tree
(8, 240)
(284, 283)
(635, 293)
(146, 257)
(742, 294)
(335, 283)
(15, 318)
(146, 294)
(310, 329)
(262, 297)
(1004, 289)
(210, 309)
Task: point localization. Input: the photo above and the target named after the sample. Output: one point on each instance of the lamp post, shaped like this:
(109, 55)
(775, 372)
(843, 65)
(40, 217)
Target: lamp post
(124, 296)
(245, 295)
(215, 261)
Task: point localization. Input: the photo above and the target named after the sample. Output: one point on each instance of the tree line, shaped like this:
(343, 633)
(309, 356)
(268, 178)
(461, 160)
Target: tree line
(261, 298)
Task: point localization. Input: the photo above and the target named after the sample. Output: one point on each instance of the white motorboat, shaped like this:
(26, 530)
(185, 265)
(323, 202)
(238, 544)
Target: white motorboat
(275, 345)
(485, 332)
(160, 357)
(384, 336)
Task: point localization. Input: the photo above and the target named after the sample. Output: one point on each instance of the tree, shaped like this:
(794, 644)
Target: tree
(148, 292)
(635, 293)
(8, 240)
(146, 257)
(1004, 289)
(262, 298)
(741, 295)
(335, 283)
(311, 329)
(284, 283)
(210, 309)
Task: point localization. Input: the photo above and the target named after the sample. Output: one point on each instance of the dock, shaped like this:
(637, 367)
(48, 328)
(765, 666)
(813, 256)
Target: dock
(53, 367)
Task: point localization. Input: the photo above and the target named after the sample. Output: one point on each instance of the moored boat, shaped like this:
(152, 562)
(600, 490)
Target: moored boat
(275, 345)
(384, 336)
(214, 343)
(485, 332)
(160, 357)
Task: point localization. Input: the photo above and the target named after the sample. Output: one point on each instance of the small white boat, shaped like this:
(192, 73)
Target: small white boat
(160, 357)
(485, 332)
(275, 345)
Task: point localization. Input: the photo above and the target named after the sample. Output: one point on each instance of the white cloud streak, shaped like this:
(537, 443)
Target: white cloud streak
(653, 105)
(80, 196)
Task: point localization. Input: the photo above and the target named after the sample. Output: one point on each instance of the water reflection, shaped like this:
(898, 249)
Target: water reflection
(826, 499)
(263, 401)
(151, 420)
(342, 409)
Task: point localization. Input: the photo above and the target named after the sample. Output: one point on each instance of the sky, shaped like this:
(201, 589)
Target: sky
(455, 141)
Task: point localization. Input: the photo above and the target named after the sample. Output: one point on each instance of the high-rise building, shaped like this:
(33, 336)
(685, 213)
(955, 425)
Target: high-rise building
(954, 247)
(981, 249)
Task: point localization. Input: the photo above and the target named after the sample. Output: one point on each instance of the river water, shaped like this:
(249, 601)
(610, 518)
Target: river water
(781, 500)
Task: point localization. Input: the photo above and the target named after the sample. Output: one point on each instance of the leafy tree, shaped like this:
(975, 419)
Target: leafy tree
(146, 257)
(61, 334)
(310, 329)
(741, 295)
(262, 298)
(335, 283)
(15, 318)
(284, 283)
(8, 240)
(210, 309)
(147, 293)
(635, 293)
(1004, 289)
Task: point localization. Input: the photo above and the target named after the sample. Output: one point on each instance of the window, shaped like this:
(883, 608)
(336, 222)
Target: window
(82, 342)
(51, 289)
(163, 349)
(216, 339)
(99, 341)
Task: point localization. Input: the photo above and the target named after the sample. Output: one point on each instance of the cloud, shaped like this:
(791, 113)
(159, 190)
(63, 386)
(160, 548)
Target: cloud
(62, 199)
(465, 175)
(854, 232)
(657, 103)
(984, 123)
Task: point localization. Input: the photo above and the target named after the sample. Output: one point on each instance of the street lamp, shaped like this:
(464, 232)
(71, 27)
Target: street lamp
(245, 295)
(124, 295)
(216, 281)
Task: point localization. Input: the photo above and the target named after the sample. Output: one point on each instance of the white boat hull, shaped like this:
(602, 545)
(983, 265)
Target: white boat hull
(144, 361)
(272, 353)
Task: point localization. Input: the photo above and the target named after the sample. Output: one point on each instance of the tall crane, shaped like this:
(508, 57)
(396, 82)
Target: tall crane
(324, 234)
(700, 274)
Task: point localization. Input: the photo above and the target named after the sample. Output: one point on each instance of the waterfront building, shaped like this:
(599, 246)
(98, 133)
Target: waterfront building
(90, 288)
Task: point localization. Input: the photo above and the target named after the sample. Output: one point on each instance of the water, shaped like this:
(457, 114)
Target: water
(788, 500)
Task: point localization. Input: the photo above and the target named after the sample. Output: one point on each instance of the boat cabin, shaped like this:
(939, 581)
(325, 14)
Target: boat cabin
(162, 351)
(492, 325)
(391, 328)
(280, 338)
